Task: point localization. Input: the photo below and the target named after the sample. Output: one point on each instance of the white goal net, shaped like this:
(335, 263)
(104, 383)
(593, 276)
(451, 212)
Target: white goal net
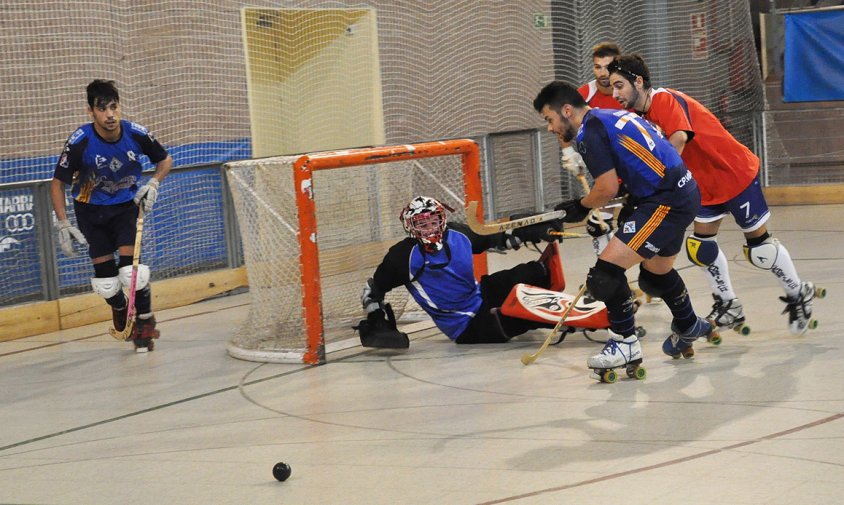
(310, 243)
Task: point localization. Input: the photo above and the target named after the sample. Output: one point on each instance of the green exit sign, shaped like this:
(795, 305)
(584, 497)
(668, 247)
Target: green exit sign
(540, 20)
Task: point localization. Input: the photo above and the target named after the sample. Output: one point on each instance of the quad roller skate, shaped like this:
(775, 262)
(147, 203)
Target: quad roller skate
(728, 314)
(680, 343)
(619, 352)
(143, 334)
(799, 308)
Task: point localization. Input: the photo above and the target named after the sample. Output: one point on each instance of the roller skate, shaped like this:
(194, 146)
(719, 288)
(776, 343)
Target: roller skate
(799, 308)
(728, 314)
(143, 334)
(619, 352)
(679, 343)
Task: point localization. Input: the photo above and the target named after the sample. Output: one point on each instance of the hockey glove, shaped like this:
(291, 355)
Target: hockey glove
(371, 297)
(572, 161)
(148, 194)
(540, 232)
(575, 211)
(507, 240)
(379, 330)
(68, 234)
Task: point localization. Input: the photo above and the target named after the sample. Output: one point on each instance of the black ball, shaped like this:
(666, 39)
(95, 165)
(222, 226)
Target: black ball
(281, 471)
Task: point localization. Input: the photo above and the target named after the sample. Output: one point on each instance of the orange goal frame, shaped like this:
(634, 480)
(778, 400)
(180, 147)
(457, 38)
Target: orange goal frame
(303, 170)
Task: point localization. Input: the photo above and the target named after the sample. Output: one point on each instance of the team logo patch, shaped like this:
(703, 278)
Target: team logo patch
(630, 227)
(100, 161)
(131, 155)
(115, 165)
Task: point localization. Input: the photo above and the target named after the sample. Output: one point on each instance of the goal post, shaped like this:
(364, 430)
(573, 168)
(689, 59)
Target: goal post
(315, 226)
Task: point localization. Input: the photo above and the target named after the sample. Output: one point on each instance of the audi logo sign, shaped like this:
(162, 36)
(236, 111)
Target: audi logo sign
(19, 222)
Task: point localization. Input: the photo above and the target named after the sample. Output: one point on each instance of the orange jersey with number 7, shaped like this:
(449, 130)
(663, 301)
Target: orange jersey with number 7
(722, 166)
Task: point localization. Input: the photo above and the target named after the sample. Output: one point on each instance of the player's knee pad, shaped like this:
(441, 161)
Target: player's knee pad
(606, 283)
(701, 251)
(656, 285)
(763, 255)
(106, 286)
(125, 274)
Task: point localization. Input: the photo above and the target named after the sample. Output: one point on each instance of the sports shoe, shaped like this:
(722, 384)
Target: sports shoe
(726, 313)
(679, 343)
(799, 309)
(143, 334)
(618, 352)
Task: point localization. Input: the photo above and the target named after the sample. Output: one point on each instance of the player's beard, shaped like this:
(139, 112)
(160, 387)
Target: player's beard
(634, 97)
(570, 131)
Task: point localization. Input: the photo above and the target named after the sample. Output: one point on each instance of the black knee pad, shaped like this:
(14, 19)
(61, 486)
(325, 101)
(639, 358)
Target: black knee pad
(607, 281)
(658, 286)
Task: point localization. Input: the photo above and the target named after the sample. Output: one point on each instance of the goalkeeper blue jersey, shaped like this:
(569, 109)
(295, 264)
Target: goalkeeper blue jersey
(442, 283)
(102, 172)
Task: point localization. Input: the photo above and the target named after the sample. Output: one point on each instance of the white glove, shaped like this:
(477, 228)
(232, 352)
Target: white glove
(147, 193)
(67, 235)
(572, 161)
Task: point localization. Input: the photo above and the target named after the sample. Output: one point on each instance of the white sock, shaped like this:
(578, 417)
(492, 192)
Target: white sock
(718, 275)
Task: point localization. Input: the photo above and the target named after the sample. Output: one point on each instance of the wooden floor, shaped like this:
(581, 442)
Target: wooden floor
(758, 420)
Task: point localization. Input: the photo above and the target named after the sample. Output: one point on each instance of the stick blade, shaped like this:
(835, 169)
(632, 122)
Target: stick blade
(527, 359)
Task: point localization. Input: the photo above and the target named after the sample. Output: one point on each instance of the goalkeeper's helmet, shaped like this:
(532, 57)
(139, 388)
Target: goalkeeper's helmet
(424, 220)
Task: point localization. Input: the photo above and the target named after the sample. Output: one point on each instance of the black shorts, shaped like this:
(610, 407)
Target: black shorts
(488, 328)
(106, 227)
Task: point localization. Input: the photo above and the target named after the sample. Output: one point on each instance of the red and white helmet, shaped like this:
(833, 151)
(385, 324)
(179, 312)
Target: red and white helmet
(424, 220)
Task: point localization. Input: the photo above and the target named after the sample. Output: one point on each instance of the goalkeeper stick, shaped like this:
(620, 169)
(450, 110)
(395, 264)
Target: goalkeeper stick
(493, 228)
(527, 359)
(136, 260)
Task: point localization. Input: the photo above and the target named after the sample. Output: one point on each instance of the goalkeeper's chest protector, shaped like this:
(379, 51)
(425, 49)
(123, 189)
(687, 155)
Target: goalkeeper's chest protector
(443, 283)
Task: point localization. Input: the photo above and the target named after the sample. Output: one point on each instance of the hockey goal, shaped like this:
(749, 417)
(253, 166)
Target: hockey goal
(314, 227)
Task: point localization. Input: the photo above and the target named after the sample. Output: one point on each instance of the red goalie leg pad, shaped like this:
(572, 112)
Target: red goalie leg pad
(546, 306)
(553, 262)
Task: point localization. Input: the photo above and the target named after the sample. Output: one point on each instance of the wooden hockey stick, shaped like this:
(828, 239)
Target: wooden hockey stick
(493, 228)
(568, 234)
(527, 359)
(136, 260)
(596, 212)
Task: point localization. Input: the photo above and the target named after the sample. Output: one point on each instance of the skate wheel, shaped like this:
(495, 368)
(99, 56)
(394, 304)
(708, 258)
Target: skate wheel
(688, 353)
(714, 338)
(637, 372)
(813, 323)
(742, 329)
(609, 376)
(640, 331)
(820, 292)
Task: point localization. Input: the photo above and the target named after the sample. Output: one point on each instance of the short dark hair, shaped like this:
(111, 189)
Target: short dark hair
(102, 92)
(604, 49)
(631, 66)
(557, 94)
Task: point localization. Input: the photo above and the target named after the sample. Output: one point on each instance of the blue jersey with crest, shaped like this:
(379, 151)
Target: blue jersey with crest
(102, 172)
(647, 164)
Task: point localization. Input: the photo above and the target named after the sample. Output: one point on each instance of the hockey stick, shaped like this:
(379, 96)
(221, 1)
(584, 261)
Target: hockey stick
(593, 212)
(493, 228)
(527, 359)
(568, 234)
(136, 260)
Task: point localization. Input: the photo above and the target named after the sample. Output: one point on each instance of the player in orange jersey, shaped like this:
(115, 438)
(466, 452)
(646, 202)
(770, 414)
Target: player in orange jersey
(598, 94)
(727, 173)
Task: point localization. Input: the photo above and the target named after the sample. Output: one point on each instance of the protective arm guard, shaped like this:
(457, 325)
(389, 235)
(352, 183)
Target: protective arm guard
(372, 298)
(379, 330)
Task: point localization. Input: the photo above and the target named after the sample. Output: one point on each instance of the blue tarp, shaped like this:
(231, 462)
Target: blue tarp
(814, 56)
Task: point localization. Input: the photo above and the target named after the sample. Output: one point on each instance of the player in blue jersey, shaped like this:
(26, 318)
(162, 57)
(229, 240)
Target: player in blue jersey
(617, 144)
(101, 161)
(434, 263)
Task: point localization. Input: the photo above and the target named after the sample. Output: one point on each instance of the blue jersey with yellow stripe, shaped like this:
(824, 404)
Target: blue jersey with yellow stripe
(643, 159)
